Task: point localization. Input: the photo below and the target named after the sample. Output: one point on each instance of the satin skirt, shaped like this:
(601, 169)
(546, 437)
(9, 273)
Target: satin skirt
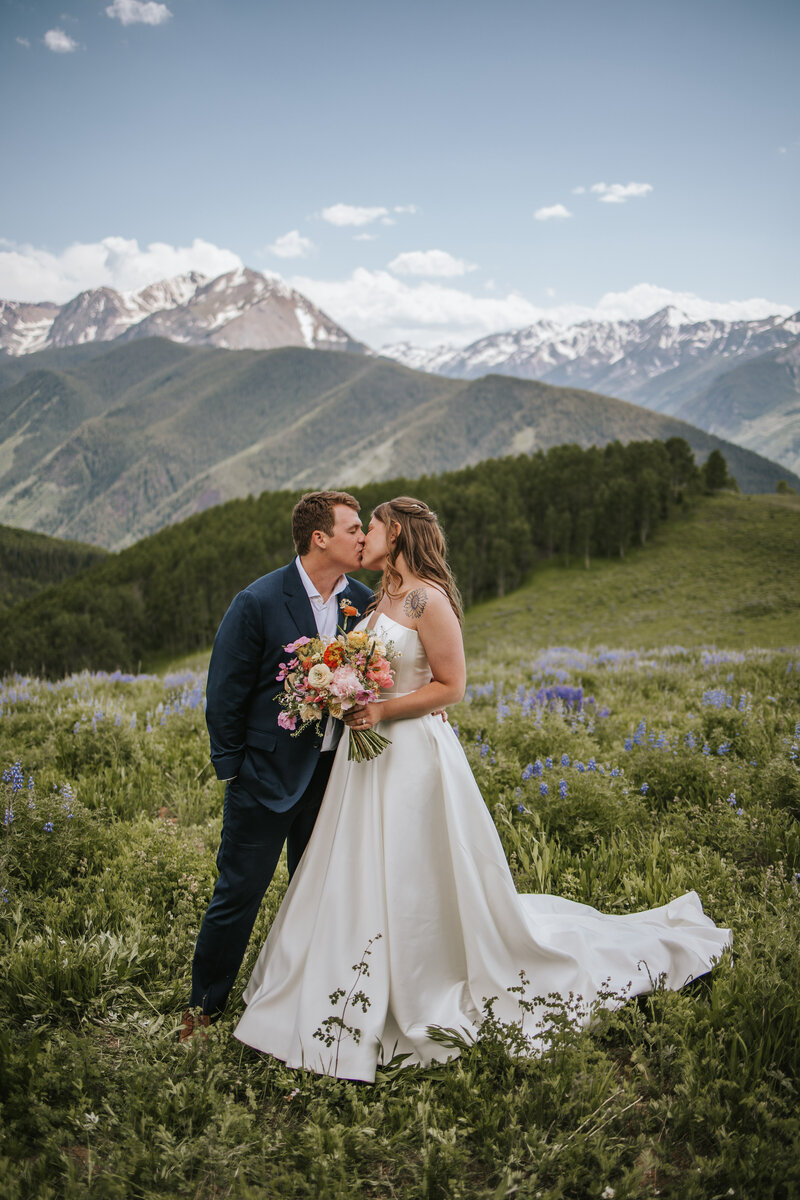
(405, 863)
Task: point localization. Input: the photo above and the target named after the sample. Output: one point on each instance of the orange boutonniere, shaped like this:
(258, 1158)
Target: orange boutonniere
(347, 608)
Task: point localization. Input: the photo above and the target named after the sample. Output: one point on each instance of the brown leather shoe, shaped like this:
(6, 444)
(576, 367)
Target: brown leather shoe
(193, 1024)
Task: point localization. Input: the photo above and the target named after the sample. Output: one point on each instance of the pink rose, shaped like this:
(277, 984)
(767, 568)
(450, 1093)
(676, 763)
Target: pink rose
(381, 676)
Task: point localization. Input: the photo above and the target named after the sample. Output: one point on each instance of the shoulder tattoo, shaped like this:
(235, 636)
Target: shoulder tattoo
(414, 603)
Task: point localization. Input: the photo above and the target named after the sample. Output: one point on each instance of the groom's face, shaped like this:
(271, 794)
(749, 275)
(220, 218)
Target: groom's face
(346, 544)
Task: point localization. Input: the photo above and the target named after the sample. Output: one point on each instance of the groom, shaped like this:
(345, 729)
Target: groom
(275, 782)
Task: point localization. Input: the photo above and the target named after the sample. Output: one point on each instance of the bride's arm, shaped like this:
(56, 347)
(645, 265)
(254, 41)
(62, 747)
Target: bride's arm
(440, 633)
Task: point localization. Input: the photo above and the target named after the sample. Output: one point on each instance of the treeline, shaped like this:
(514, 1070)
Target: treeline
(30, 562)
(166, 595)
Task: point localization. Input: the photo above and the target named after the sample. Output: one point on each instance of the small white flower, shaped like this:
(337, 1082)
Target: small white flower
(90, 1119)
(608, 1193)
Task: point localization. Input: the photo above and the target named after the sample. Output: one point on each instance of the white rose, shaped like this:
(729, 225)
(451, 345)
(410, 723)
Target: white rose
(320, 675)
(380, 648)
(308, 712)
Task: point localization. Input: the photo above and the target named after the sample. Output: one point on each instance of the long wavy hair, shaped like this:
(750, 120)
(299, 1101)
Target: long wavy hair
(421, 542)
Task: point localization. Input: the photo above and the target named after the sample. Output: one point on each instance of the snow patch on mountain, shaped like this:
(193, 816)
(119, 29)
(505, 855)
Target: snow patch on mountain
(241, 309)
(624, 358)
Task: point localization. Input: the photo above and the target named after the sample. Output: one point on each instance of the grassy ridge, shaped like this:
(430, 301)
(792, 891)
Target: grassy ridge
(728, 574)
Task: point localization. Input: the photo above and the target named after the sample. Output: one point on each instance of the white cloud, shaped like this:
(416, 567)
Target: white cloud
(365, 237)
(59, 42)
(375, 306)
(138, 12)
(646, 298)
(578, 191)
(550, 292)
(291, 245)
(781, 149)
(381, 309)
(618, 193)
(23, 42)
(554, 212)
(352, 214)
(32, 273)
(430, 262)
(406, 208)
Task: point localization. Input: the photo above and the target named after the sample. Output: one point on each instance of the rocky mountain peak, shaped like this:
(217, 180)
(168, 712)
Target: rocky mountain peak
(241, 309)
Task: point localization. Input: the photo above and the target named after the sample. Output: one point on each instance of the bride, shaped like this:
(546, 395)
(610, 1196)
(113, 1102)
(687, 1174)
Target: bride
(403, 914)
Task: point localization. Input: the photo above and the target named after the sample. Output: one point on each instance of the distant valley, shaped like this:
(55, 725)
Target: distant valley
(123, 412)
(109, 446)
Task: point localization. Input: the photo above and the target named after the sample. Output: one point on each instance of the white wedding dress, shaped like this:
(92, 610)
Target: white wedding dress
(404, 847)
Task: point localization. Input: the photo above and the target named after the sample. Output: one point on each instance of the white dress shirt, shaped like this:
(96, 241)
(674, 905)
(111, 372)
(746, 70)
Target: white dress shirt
(326, 615)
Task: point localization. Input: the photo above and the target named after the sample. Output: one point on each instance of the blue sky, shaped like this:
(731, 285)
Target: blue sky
(149, 138)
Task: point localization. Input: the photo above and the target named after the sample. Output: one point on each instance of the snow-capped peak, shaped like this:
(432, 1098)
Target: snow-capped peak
(242, 309)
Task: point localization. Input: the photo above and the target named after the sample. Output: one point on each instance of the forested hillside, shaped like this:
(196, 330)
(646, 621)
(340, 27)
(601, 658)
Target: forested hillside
(109, 449)
(30, 562)
(167, 594)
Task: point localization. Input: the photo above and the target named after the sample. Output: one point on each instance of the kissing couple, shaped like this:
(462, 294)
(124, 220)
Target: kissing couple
(395, 864)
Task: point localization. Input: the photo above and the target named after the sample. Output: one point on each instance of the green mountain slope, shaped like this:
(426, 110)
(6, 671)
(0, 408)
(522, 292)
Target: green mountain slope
(727, 575)
(166, 594)
(757, 404)
(122, 444)
(30, 562)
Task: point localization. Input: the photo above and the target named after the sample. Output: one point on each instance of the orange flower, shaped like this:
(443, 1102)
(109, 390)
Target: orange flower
(334, 655)
(349, 611)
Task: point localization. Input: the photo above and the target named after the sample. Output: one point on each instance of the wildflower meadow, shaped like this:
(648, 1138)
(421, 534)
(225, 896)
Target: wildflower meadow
(619, 777)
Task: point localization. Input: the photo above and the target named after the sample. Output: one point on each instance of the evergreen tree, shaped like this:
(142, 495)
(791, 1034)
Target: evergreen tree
(715, 471)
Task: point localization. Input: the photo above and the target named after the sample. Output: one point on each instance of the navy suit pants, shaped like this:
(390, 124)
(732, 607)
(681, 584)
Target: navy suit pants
(252, 840)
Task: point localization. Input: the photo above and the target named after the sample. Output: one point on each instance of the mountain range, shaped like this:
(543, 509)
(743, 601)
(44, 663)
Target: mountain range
(242, 309)
(666, 362)
(110, 442)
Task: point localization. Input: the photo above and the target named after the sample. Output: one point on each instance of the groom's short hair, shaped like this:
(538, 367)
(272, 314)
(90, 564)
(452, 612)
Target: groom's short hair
(315, 511)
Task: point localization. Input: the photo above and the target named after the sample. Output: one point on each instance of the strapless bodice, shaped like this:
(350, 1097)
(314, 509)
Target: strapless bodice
(410, 666)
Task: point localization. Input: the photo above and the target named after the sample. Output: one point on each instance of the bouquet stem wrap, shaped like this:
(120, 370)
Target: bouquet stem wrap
(366, 744)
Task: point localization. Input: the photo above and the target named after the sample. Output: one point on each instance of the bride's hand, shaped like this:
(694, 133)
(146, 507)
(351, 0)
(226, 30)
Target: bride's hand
(364, 717)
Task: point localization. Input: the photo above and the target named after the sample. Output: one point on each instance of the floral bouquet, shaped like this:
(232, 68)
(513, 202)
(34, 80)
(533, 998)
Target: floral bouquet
(328, 677)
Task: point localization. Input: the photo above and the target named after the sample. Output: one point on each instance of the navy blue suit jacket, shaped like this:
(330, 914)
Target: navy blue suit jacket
(242, 707)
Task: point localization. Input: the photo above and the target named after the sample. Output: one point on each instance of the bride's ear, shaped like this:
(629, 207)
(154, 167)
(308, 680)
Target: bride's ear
(394, 532)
